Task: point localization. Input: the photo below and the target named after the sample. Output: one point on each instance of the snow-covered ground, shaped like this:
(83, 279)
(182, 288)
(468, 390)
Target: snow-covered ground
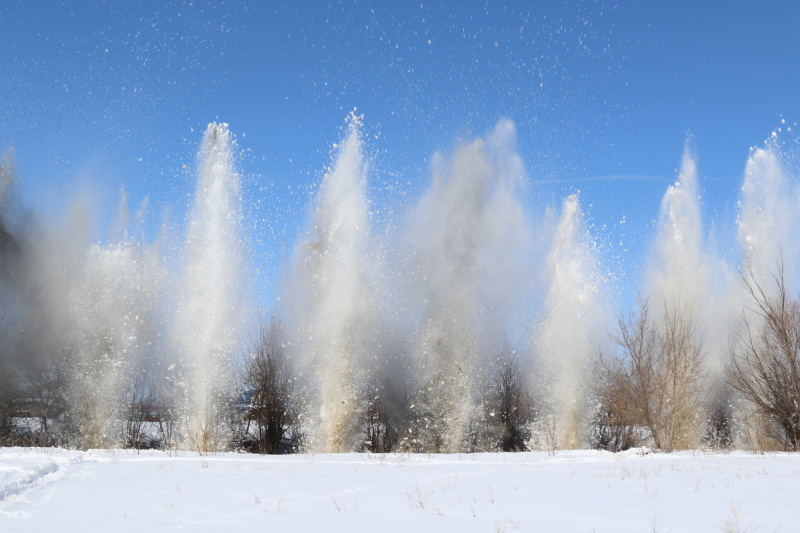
(59, 490)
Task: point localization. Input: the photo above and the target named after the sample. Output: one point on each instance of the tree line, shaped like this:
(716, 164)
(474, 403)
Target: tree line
(650, 386)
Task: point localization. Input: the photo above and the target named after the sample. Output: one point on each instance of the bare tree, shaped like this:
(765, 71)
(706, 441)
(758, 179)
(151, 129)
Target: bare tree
(380, 436)
(43, 381)
(509, 403)
(144, 427)
(614, 427)
(29, 402)
(655, 381)
(9, 398)
(268, 393)
(765, 360)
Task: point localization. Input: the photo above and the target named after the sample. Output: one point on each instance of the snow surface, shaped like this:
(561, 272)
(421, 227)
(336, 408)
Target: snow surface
(119, 490)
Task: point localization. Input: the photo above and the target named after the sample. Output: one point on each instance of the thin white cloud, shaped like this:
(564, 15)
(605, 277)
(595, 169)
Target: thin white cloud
(609, 178)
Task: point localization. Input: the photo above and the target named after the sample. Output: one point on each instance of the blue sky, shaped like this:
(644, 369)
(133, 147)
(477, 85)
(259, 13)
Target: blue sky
(99, 95)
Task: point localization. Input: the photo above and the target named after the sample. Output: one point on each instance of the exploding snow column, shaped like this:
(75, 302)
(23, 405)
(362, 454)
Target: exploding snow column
(85, 317)
(768, 218)
(329, 297)
(209, 320)
(572, 327)
(468, 239)
(112, 334)
(685, 278)
(680, 286)
(97, 315)
(678, 275)
(767, 223)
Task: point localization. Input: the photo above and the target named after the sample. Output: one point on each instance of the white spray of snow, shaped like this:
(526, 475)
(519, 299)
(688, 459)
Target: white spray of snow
(468, 241)
(111, 334)
(686, 280)
(331, 297)
(573, 323)
(767, 220)
(678, 275)
(209, 314)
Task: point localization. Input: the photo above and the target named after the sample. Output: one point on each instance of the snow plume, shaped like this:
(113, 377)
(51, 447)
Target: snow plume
(80, 319)
(679, 280)
(13, 251)
(329, 300)
(89, 329)
(209, 312)
(678, 273)
(768, 217)
(37, 268)
(767, 222)
(467, 242)
(571, 329)
(111, 342)
(686, 281)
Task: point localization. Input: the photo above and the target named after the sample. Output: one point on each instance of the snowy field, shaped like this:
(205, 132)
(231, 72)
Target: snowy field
(58, 490)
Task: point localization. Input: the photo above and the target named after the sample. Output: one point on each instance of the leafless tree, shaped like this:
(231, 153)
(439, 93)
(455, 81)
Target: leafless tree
(9, 398)
(29, 402)
(145, 422)
(655, 380)
(614, 428)
(267, 400)
(509, 402)
(43, 382)
(380, 436)
(764, 367)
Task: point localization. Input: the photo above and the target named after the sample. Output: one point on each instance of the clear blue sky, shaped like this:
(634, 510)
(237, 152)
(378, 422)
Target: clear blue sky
(99, 95)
